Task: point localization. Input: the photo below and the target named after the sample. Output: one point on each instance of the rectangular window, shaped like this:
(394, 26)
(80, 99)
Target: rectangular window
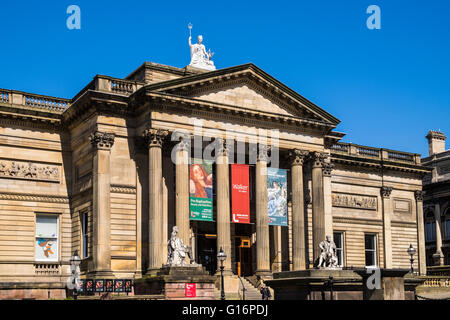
(371, 250)
(430, 232)
(46, 248)
(338, 238)
(84, 235)
(447, 229)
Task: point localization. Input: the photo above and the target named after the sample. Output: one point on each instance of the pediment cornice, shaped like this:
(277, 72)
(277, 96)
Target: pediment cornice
(249, 74)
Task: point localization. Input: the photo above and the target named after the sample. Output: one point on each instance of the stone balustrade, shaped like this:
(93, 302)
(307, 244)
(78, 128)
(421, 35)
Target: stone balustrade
(375, 153)
(119, 86)
(14, 97)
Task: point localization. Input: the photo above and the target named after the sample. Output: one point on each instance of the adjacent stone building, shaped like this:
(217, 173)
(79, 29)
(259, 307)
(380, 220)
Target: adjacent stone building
(96, 173)
(436, 186)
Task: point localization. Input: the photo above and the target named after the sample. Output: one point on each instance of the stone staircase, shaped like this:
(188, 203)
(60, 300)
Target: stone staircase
(251, 293)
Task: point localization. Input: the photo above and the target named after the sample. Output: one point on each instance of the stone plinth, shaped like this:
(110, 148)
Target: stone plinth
(392, 284)
(347, 285)
(170, 281)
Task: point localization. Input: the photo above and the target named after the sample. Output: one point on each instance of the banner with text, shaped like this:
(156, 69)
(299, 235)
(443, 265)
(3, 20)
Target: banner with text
(277, 196)
(240, 196)
(201, 190)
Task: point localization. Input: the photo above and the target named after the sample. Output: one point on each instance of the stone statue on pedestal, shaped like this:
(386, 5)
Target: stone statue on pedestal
(200, 58)
(177, 251)
(328, 258)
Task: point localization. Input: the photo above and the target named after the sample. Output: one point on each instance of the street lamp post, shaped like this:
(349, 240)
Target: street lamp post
(74, 264)
(411, 251)
(221, 256)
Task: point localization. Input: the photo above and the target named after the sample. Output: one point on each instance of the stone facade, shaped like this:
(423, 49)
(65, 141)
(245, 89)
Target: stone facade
(102, 163)
(436, 201)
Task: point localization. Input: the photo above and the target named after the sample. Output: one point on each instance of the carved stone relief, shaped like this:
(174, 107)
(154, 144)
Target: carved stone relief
(354, 201)
(29, 171)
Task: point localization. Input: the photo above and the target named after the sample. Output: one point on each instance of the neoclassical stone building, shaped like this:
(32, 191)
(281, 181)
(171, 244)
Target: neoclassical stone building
(101, 174)
(436, 186)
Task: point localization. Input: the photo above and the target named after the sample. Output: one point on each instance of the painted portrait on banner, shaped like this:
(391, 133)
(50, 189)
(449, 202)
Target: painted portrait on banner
(201, 190)
(277, 196)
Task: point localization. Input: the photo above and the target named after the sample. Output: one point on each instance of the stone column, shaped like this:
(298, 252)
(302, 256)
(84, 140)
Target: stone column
(102, 143)
(438, 256)
(328, 208)
(387, 233)
(262, 218)
(420, 233)
(182, 190)
(154, 138)
(318, 203)
(223, 204)
(297, 158)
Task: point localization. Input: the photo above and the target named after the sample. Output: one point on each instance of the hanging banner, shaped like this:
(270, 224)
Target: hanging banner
(277, 196)
(240, 196)
(201, 190)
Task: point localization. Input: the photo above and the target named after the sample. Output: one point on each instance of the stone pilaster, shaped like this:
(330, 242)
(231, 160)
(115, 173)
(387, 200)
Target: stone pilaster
(327, 168)
(297, 158)
(182, 189)
(102, 143)
(387, 233)
(420, 232)
(262, 218)
(318, 202)
(438, 256)
(154, 139)
(223, 203)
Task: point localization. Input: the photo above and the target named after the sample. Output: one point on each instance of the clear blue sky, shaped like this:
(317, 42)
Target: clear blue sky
(388, 87)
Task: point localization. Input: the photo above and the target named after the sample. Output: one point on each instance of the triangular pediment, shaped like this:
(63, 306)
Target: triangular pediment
(246, 87)
(246, 96)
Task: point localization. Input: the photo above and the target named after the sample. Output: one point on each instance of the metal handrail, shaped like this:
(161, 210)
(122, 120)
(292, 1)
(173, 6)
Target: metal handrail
(243, 288)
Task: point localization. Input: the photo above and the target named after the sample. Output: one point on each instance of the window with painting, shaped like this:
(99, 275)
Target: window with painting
(46, 247)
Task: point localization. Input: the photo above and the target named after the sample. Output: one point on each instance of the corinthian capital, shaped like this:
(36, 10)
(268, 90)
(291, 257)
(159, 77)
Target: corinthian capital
(223, 147)
(155, 137)
(318, 159)
(327, 167)
(297, 157)
(263, 152)
(418, 194)
(386, 192)
(102, 140)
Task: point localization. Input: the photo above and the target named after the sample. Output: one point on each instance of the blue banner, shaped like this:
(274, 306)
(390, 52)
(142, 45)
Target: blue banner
(277, 196)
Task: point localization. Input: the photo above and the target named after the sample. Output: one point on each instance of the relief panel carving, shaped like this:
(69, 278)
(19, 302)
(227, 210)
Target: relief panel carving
(402, 205)
(29, 171)
(354, 201)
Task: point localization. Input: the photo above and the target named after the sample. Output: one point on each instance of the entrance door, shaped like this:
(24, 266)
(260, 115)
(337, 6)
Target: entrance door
(243, 256)
(207, 252)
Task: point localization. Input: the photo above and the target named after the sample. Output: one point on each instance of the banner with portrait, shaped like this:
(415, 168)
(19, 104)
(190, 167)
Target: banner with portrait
(277, 196)
(201, 190)
(240, 196)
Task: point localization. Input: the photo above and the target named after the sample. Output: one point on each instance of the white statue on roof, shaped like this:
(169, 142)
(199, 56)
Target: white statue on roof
(200, 58)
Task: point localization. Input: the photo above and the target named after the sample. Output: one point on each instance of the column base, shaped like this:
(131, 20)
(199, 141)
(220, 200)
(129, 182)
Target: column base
(438, 259)
(264, 274)
(104, 274)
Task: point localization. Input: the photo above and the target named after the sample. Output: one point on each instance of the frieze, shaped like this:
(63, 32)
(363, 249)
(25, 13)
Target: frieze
(29, 171)
(354, 201)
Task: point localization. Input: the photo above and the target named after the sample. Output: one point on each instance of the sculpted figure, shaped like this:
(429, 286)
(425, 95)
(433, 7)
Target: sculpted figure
(177, 251)
(328, 257)
(200, 58)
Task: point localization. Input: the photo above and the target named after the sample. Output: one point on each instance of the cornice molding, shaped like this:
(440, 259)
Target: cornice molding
(34, 197)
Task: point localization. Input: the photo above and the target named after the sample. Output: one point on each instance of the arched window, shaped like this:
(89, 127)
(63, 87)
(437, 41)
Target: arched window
(430, 226)
(447, 223)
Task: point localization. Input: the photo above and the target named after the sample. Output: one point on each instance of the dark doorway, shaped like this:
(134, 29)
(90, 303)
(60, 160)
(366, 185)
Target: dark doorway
(207, 252)
(243, 256)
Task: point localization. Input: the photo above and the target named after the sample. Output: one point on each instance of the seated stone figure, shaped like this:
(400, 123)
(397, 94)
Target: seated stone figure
(177, 251)
(328, 257)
